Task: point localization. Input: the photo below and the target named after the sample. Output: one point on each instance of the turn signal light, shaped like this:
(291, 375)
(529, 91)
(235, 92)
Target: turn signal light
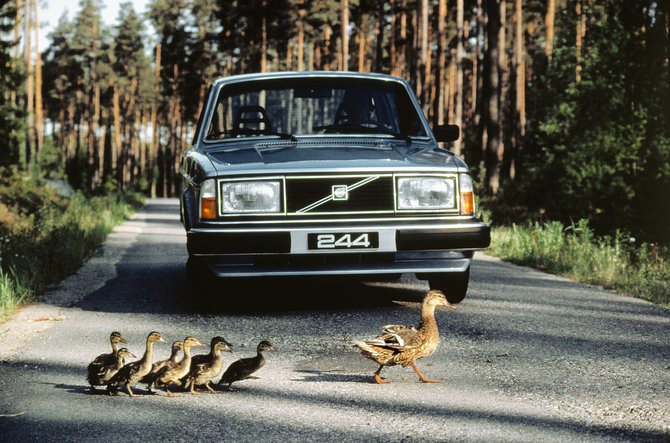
(467, 195)
(208, 208)
(208, 200)
(467, 203)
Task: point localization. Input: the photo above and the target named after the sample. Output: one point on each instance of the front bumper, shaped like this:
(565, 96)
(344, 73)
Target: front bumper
(283, 251)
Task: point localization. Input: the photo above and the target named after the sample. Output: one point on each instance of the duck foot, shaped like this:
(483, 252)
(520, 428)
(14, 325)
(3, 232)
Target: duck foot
(424, 379)
(379, 380)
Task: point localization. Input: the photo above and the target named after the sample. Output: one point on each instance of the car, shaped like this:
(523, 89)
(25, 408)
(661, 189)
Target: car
(298, 174)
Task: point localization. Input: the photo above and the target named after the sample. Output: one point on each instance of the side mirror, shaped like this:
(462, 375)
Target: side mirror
(447, 133)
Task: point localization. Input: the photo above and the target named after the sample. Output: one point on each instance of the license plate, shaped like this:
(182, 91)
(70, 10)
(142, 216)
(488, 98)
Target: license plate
(343, 240)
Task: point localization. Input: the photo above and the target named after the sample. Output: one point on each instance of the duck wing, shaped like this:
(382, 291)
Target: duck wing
(397, 337)
(242, 369)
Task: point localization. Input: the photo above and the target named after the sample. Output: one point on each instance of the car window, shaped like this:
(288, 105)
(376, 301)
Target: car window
(323, 107)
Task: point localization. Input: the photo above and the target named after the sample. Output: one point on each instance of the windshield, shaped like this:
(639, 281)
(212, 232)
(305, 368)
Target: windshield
(313, 106)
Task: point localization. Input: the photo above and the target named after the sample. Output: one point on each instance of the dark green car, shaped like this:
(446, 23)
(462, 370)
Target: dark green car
(325, 173)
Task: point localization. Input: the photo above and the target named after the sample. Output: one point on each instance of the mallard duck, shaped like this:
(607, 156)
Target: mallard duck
(103, 360)
(244, 367)
(173, 372)
(177, 346)
(133, 372)
(107, 372)
(404, 345)
(207, 366)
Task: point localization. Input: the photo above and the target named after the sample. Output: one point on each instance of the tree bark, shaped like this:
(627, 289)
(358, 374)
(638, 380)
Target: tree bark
(264, 38)
(29, 104)
(301, 36)
(441, 61)
(518, 82)
(381, 24)
(458, 106)
(494, 146)
(153, 147)
(344, 24)
(116, 146)
(549, 25)
(39, 132)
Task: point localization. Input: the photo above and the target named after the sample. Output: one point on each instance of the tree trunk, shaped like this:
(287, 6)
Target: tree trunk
(581, 25)
(518, 83)
(422, 67)
(153, 147)
(361, 44)
(116, 146)
(101, 149)
(549, 25)
(39, 132)
(494, 146)
(264, 38)
(393, 52)
(344, 24)
(301, 36)
(29, 104)
(441, 61)
(458, 105)
(381, 24)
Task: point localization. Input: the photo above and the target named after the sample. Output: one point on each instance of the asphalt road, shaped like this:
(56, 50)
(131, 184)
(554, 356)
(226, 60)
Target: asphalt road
(527, 357)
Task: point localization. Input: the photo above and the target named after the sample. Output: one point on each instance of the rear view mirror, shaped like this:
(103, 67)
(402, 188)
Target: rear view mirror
(447, 133)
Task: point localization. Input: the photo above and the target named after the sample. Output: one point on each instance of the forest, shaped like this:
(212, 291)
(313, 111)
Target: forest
(564, 105)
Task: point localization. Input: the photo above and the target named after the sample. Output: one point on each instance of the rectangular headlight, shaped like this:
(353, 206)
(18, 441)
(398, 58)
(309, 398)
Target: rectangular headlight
(426, 193)
(252, 196)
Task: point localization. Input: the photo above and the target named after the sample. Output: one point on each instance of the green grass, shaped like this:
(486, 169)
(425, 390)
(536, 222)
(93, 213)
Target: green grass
(616, 263)
(45, 237)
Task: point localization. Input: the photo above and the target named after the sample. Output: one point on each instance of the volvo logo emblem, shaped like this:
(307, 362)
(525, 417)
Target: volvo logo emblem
(340, 192)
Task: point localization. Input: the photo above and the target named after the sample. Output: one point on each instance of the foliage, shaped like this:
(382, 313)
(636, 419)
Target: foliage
(576, 252)
(45, 236)
(598, 146)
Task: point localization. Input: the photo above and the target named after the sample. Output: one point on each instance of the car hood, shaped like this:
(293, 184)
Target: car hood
(293, 154)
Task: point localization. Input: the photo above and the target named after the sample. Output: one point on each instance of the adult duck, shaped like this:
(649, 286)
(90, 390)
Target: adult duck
(404, 345)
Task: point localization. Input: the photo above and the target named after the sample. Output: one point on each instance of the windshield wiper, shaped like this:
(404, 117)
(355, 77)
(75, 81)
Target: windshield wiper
(351, 127)
(233, 133)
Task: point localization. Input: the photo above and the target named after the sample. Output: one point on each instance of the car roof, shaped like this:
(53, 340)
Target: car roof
(307, 74)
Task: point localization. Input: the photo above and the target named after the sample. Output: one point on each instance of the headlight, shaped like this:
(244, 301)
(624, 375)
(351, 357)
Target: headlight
(251, 196)
(426, 193)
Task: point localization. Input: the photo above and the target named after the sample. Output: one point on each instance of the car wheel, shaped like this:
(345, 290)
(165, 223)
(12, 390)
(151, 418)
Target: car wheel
(201, 282)
(454, 285)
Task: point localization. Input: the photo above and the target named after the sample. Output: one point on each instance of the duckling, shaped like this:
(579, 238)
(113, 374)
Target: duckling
(243, 368)
(103, 360)
(173, 372)
(107, 372)
(404, 345)
(205, 367)
(177, 346)
(133, 372)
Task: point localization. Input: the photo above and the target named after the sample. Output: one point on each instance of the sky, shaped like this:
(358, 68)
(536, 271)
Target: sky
(50, 11)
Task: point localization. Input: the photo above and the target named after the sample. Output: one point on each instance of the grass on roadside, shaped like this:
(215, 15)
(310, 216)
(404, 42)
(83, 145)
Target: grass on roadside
(611, 262)
(45, 237)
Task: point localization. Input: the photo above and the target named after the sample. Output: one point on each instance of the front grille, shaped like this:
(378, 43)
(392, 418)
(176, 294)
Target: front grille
(366, 194)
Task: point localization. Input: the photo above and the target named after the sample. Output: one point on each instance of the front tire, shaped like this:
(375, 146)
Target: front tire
(202, 283)
(454, 285)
